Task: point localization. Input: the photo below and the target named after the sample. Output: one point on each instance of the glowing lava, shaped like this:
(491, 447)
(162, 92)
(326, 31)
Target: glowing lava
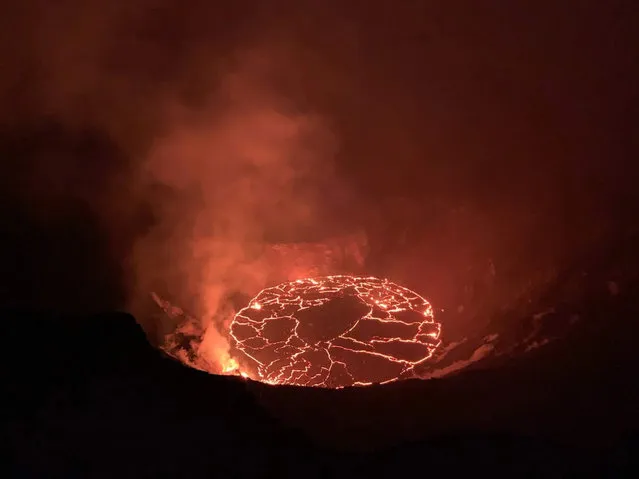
(335, 331)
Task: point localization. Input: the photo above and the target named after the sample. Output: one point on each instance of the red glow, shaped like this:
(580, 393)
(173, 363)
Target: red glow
(334, 331)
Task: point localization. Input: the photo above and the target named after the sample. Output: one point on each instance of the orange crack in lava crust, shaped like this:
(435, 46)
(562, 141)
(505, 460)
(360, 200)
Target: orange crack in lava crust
(335, 331)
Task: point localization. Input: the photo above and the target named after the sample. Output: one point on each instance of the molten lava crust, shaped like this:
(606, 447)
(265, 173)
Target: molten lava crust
(335, 331)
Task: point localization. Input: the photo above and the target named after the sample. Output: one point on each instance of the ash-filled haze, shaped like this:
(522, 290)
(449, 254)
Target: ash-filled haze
(204, 150)
(252, 168)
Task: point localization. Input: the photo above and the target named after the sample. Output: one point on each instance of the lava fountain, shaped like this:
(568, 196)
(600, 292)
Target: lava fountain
(334, 331)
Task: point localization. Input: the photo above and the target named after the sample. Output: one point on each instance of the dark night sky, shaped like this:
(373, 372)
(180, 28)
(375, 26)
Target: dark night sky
(455, 134)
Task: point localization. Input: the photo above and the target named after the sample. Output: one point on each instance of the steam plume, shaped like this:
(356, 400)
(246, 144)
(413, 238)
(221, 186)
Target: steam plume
(247, 165)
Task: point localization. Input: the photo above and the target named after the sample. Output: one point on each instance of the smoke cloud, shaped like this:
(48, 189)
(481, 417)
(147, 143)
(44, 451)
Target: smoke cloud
(249, 167)
(200, 151)
(205, 162)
